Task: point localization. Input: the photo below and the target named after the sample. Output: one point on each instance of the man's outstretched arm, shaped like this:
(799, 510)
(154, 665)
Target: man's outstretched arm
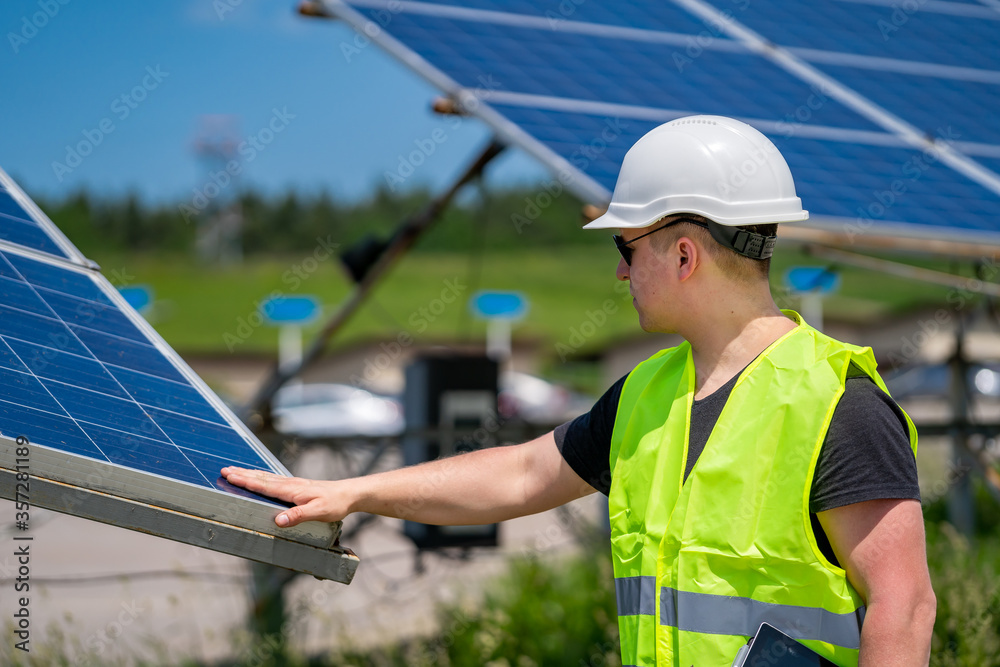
(881, 546)
(484, 486)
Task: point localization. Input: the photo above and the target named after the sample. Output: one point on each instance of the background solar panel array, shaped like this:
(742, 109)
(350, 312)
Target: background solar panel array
(78, 375)
(539, 64)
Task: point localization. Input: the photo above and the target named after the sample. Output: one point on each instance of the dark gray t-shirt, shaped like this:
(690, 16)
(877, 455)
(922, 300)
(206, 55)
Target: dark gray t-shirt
(866, 454)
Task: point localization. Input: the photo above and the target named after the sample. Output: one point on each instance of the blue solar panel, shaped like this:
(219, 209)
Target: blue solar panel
(646, 15)
(931, 104)
(564, 64)
(886, 31)
(29, 235)
(78, 375)
(20, 227)
(927, 194)
(827, 173)
(11, 208)
(581, 138)
(562, 83)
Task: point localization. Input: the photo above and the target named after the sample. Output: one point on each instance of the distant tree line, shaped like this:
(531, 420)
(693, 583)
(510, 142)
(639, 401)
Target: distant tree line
(505, 219)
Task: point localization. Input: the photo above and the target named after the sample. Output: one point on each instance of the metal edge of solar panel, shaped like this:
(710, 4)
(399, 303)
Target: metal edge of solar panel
(581, 183)
(250, 518)
(42, 221)
(335, 564)
(863, 235)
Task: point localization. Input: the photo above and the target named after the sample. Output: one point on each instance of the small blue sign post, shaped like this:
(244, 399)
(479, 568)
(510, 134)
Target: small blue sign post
(290, 314)
(500, 310)
(811, 284)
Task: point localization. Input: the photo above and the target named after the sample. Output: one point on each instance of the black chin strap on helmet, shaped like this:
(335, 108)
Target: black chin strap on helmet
(748, 244)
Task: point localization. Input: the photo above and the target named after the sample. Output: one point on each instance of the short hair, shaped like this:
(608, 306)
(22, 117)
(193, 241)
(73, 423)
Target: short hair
(742, 269)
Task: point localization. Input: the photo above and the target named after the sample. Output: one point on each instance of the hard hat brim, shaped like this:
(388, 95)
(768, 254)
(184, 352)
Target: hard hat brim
(629, 217)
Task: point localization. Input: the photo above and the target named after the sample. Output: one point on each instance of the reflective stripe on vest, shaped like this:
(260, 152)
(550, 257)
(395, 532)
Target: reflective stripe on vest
(636, 595)
(722, 615)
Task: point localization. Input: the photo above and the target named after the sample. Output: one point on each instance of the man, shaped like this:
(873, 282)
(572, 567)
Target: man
(757, 472)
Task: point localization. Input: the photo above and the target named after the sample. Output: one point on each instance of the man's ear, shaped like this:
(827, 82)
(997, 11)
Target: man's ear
(688, 256)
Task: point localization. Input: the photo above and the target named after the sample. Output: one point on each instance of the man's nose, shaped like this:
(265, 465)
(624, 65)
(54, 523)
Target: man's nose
(622, 272)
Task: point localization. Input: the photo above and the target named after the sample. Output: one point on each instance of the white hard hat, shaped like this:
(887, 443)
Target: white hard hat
(713, 166)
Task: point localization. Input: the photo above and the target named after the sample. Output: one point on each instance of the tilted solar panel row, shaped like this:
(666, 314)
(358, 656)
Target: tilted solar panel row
(120, 429)
(577, 83)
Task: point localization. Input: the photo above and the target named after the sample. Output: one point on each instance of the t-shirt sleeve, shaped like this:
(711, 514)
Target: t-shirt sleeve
(866, 454)
(585, 442)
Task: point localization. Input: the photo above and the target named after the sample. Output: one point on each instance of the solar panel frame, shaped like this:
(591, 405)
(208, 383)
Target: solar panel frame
(42, 221)
(223, 517)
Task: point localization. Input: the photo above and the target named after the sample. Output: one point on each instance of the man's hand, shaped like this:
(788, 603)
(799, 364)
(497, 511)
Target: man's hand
(880, 544)
(480, 487)
(314, 500)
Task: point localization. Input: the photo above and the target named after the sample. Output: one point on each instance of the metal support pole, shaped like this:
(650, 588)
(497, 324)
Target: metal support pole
(903, 270)
(405, 236)
(961, 508)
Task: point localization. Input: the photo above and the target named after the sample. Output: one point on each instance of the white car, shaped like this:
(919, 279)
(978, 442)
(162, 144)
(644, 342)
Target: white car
(335, 410)
(538, 401)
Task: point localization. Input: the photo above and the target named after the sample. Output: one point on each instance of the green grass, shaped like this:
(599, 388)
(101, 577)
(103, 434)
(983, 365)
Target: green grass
(202, 308)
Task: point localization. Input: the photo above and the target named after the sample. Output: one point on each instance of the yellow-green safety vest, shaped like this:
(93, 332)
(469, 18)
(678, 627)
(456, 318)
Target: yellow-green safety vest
(700, 563)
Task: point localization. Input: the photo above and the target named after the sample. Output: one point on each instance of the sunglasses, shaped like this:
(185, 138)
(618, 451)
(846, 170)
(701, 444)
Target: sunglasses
(626, 251)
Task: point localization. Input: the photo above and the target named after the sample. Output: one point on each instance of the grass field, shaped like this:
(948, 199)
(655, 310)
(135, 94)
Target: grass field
(209, 309)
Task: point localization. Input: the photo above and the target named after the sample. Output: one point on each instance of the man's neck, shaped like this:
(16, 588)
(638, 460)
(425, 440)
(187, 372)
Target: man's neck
(731, 343)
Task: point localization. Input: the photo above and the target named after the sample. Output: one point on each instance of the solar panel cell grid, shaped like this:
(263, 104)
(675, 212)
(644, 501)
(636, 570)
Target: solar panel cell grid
(77, 375)
(929, 103)
(871, 29)
(833, 178)
(19, 227)
(830, 183)
(648, 15)
(83, 313)
(52, 364)
(581, 138)
(584, 67)
(6, 270)
(11, 208)
(541, 72)
(29, 235)
(56, 431)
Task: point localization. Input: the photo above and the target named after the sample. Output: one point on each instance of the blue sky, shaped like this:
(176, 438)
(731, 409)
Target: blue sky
(128, 83)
